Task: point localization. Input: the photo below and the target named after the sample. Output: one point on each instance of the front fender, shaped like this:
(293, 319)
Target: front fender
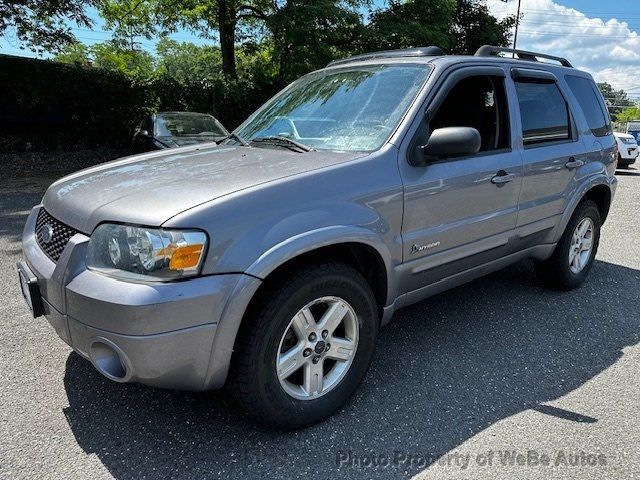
(323, 237)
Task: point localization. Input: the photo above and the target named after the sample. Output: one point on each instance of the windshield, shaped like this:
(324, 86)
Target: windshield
(183, 125)
(347, 109)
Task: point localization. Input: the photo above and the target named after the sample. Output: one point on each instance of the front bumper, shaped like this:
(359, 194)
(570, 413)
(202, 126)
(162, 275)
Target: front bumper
(173, 335)
(628, 153)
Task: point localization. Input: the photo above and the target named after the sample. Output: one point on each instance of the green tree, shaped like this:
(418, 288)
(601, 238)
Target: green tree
(129, 19)
(135, 64)
(307, 34)
(185, 61)
(215, 19)
(616, 100)
(412, 23)
(474, 26)
(457, 26)
(42, 24)
(628, 114)
(74, 53)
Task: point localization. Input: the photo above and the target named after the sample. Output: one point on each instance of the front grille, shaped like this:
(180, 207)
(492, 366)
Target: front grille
(57, 233)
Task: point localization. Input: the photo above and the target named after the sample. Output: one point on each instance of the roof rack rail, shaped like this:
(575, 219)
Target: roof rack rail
(488, 50)
(402, 52)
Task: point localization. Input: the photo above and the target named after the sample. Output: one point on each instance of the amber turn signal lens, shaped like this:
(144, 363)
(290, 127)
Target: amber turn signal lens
(186, 257)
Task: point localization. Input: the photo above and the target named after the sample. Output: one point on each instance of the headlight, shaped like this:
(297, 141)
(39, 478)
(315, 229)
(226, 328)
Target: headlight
(151, 254)
(629, 140)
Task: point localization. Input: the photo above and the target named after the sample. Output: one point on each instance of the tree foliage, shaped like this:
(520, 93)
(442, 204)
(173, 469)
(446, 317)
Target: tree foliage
(216, 19)
(43, 24)
(129, 19)
(413, 23)
(135, 64)
(307, 34)
(251, 49)
(474, 26)
(629, 114)
(616, 100)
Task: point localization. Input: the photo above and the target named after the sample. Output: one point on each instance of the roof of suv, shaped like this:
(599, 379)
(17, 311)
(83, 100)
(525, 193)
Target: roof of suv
(429, 54)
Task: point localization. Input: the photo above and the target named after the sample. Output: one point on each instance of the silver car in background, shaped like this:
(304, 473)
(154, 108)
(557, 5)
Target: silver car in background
(177, 129)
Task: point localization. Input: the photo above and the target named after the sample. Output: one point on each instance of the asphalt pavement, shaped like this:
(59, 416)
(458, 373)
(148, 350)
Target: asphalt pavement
(499, 378)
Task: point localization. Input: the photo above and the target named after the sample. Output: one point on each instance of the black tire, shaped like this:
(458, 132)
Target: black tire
(253, 379)
(555, 272)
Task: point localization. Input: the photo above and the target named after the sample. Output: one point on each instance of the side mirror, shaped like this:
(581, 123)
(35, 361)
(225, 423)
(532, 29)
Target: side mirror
(144, 133)
(449, 142)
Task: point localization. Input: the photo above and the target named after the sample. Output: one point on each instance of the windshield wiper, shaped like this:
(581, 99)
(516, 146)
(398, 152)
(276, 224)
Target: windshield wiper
(237, 137)
(281, 141)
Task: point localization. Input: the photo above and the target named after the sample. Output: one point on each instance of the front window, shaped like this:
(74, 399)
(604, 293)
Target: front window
(186, 125)
(353, 109)
(479, 102)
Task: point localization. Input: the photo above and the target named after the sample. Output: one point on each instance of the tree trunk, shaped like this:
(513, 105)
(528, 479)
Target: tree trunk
(227, 27)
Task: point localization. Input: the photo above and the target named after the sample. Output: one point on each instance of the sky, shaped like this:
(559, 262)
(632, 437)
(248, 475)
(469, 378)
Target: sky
(601, 37)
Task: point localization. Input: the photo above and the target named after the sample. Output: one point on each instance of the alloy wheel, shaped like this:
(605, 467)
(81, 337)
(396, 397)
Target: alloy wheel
(581, 245)
(317, 348)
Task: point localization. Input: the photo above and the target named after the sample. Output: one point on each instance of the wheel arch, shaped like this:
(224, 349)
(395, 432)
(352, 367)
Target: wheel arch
(360, 248)
(599, 190)
(601, 196)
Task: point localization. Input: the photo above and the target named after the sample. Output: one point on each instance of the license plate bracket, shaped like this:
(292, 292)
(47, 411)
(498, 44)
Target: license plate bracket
(30, 290)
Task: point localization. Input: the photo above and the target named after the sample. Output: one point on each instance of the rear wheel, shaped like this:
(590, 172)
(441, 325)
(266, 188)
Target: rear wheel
(573, 257)
(305, 346)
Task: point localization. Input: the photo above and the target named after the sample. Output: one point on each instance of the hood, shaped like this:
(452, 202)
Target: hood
(151, 188)
(624, 135)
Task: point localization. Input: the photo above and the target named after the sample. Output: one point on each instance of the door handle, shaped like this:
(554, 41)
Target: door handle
(573, 163)
(503, 177)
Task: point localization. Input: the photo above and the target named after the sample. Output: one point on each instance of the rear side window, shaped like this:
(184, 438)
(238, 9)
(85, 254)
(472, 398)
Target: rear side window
(591, 105)
(543, 111)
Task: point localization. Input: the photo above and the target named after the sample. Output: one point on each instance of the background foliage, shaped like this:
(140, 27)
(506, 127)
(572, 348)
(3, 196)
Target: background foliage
(92, 95)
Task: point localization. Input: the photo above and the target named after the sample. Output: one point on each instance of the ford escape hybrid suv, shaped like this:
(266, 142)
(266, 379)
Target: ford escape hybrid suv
(269, 262)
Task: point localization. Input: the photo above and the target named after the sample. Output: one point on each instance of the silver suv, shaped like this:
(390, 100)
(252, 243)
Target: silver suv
(269, 262)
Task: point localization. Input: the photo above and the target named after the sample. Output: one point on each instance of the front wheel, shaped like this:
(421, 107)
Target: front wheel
(305, 347)
(573, 257)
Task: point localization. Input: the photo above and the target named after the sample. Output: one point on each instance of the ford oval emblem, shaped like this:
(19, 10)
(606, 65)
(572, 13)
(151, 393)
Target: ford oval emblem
(46, 233)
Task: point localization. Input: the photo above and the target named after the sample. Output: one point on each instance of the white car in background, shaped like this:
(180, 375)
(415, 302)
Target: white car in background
(627, 149)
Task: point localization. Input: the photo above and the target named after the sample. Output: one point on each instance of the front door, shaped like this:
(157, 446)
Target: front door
(461, 212)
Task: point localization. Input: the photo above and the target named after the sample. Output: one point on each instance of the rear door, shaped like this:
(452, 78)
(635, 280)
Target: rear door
(460, 212)
(552, 152)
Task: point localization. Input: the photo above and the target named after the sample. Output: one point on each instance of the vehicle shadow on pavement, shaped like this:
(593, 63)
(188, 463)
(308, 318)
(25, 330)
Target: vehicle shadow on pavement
(445, 369)
(628, 171)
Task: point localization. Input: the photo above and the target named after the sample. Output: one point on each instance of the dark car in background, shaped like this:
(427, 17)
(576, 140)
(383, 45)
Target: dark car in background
(177, 129)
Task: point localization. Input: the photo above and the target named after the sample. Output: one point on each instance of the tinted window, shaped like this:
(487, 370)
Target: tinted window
(543, 112)
(478, 102)
(586, 93)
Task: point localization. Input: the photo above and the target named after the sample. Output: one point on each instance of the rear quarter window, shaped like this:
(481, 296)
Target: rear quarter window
(589, 99)
(543, 112)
